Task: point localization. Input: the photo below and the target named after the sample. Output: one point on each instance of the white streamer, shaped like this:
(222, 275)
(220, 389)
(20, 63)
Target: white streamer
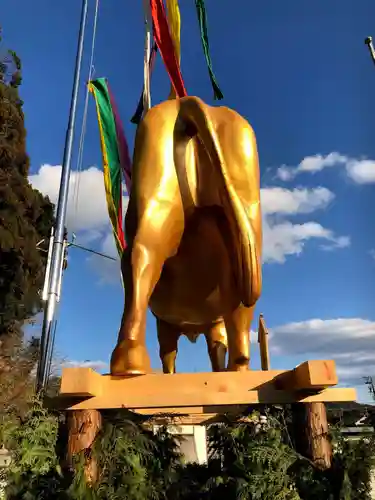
(146, 60)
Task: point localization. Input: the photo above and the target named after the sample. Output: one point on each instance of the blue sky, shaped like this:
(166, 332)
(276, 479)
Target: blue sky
(300, 73)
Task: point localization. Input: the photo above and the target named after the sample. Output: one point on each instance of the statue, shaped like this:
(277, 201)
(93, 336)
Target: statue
(194, 235)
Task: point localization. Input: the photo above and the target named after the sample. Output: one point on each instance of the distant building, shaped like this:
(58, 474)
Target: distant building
(5, 460)
(193, 441)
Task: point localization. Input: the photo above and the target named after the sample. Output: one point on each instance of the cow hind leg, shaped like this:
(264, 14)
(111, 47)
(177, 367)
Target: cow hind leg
(168, 336)
(238, 331)
(216, 338)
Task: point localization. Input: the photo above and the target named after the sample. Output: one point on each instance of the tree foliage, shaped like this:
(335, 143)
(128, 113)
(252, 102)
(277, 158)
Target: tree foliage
(250, 458)
(26, 217)
(134, 462)
(34, 471)
(17, 362)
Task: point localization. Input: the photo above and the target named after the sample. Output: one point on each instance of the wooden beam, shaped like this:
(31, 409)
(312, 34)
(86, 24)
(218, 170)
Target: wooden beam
(314, 375)
(162, 392)
(84, 382)
(80, 382)
(263, 344)
(222, 402)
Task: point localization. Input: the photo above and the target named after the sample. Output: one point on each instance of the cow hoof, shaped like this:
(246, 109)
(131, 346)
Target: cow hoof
(237, 368)
(239, 365)
(129, 360)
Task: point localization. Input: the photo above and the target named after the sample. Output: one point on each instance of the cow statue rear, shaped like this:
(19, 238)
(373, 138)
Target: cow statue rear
(194, 235)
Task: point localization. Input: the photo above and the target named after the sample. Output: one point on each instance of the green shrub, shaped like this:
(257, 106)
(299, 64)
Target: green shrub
(250, 458)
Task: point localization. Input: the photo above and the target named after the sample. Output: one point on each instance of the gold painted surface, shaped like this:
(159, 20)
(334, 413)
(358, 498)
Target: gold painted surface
(194, 234)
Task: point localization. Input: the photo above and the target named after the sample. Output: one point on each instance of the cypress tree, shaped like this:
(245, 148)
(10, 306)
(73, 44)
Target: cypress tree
(26, 217)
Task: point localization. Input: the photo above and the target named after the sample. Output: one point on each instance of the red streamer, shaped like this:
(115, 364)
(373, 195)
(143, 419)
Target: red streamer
(164, 42)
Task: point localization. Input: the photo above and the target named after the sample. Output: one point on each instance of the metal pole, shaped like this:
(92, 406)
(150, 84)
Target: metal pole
(49, 358)
(370, 46)
(48, 267)
(58, 244)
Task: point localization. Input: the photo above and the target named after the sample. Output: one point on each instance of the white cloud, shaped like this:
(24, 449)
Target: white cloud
(281, 237)
(87, 215)
(361, 171)
(96, 365)
(311, 164)
(349, 341)
(86, 212)
(285, 173)
(278, 200)
(58, 363)
(317, 163)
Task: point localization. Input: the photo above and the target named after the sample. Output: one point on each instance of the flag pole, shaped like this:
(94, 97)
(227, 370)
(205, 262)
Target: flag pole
(53, 281)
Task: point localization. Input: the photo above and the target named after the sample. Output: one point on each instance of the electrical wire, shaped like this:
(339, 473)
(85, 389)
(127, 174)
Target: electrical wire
(91, 73)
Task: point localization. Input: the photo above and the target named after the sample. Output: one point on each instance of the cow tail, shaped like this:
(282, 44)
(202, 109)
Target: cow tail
(195, 115)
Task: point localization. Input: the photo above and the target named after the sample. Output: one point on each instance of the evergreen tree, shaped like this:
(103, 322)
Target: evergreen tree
(26, 217)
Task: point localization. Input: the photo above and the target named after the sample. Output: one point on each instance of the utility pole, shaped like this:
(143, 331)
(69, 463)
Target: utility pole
(58, 238)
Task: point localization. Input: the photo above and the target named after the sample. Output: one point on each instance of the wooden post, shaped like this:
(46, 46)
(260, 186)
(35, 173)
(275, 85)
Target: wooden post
(83, 426)
(263, 344)
(310, 428)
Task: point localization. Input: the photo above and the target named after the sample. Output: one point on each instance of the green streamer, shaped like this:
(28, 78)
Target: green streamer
(202, 19)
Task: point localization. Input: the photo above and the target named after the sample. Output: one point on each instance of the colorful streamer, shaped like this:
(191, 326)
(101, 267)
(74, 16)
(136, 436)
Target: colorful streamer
(174, 21)
(166, 48)
(202, 19)
(123, 149)
(115, 154)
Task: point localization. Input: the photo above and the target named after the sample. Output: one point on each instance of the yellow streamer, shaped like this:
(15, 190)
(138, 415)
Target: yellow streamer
(106, 174)
(174, 21)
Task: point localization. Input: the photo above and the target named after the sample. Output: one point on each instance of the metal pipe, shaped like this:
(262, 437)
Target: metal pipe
(58, 244)
(59, 286)
(47, 373)
(48, 267)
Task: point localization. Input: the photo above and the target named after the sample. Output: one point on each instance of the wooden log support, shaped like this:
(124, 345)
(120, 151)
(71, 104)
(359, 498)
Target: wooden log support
(311, 438)
(263, 344)
(83, 427)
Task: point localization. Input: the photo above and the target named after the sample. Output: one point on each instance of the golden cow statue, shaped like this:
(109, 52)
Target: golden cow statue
(194, 235)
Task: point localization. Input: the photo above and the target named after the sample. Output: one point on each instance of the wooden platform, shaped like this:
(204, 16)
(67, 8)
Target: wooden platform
(202, 395)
